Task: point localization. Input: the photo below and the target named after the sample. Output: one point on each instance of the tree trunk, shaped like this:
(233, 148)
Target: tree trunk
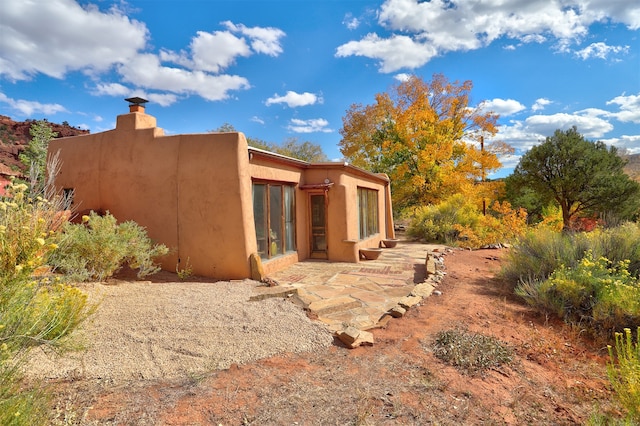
(566, 216)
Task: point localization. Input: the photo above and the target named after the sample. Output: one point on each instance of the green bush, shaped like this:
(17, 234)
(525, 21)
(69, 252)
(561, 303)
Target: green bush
(541, 251)
(99, 247)
(596, 292)
(34, 309)
(624, 372)
(437, 222)
(618, 244)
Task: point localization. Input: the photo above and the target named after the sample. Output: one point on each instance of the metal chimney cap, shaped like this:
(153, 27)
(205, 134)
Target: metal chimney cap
(136, 101)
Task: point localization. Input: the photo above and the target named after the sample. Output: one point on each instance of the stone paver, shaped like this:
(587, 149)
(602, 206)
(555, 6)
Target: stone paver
(360, 294)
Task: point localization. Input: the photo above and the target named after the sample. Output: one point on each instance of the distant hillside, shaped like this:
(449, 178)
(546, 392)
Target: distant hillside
(15, 136)
(633, 166)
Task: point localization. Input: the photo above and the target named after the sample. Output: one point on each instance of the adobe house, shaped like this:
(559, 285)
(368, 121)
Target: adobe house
(214, 201)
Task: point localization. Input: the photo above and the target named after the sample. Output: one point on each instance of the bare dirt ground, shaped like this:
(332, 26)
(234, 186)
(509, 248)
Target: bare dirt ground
(558, 375)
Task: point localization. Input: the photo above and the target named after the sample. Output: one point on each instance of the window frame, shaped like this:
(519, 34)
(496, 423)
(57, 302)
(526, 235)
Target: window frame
(282, 240)
(368, 214)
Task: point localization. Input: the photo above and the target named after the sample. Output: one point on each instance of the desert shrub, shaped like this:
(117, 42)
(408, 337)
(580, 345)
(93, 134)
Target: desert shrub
(596, 292)
(436, 222)
(501, 224)
(99, 247)
(618, 244)
(35, 310)
(471, 352)
(459, 221)
(541, 251)
(624, 372)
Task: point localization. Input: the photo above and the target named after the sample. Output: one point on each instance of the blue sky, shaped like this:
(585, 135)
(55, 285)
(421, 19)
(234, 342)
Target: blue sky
(277, 69)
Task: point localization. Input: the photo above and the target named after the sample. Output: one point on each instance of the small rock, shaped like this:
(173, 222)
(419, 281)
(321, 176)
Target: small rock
(384, 321)
(409, 301)
(437, 293)
(430, 265)
(364, 338)
(349, 335)
(423, 290)
(397, 312)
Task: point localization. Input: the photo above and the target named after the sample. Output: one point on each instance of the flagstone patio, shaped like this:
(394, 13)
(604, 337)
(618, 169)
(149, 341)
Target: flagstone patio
(359, 295)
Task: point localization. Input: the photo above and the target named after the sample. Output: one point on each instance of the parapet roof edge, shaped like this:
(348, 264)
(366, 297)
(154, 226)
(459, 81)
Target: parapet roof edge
(327, 165)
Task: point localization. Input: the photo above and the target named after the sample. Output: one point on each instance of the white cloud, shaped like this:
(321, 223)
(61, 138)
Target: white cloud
(28, 108)
(402, 77)
(309, 126)
(111, 89)
(257, 119)
(540, 104)
(533, 38)
(420, 31)
(216, 51)
(54, 37)
(518, 135)
(629, 108)
(600, 50)
(162, 99)
(630, 143)
(351, 22)
(263, 39)
(589, 125)
(524, 134)
(146, 71)
(503, 107)
(394, 53)
(293, 99)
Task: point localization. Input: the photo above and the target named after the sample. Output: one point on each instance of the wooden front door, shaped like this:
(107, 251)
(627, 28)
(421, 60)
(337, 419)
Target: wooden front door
(318, 223)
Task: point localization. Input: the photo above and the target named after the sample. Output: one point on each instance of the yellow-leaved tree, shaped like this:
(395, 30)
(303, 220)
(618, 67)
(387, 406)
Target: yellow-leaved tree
(426, 137)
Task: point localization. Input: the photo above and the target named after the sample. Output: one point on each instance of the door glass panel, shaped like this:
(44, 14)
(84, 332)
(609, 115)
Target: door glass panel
(275, 220)
(289, 219)
(260, 215)
(318, 231)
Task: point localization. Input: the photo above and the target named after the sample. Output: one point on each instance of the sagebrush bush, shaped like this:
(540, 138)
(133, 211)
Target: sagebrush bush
(541, 251)
(35, 310)
(624, 372)
(618, 244)
(99, 247)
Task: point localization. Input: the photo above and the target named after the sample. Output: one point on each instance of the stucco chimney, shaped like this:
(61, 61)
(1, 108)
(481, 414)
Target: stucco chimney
(136, 104)
(136, 119)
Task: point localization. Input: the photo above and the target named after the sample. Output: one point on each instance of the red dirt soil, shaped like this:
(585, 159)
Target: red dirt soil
(558, 375)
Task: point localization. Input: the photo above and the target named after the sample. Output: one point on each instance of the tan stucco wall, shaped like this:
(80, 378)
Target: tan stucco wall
(191, 192)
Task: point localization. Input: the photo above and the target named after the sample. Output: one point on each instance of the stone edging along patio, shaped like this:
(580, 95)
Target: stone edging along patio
(352, 298)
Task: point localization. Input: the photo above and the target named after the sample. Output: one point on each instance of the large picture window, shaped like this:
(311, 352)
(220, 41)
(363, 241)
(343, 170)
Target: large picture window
(367, 212)
(274, 213)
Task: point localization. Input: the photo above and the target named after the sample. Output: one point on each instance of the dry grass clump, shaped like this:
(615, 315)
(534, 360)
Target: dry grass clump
(471, 353)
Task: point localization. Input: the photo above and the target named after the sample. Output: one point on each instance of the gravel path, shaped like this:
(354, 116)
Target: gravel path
(164, 331)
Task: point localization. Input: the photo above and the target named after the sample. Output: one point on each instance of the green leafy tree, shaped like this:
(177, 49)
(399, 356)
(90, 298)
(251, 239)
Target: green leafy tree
(291, 147)
(584, 178)
(34, 156)
(306, 151)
